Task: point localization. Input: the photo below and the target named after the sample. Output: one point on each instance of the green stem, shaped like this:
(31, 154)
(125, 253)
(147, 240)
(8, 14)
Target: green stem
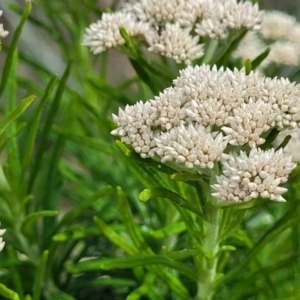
(208, 271)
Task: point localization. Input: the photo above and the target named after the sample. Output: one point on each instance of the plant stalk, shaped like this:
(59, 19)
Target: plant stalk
(208, 271)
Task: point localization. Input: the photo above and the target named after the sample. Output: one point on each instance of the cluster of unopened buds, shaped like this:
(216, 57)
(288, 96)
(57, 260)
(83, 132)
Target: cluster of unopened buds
(218, 119)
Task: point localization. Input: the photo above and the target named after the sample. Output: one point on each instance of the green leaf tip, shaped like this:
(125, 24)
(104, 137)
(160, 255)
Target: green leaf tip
(145, 195)
(248, 66)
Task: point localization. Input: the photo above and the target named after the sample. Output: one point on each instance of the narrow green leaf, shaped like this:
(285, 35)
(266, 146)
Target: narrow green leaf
(7, 293)
(70, 216)
(112, 282)
(89, 142)
(269, 139)
(114, 237)
(108, 90)
(30, 219)
(9, 107)
(130, 46)
(145, 76)
(76, 234)
(16, 277)
(145, 289)
(227, 49)
(233, 225)
(14, 134)
(93, 7)
(260, 58)
(37, 285)
(175, 228)
(145, 260)
(284, 142)
(182, 254)
(10, 118)
(226, 248)
(128, 221)
(147, 194)
(35, 123)
(47, 128)
(8, 63)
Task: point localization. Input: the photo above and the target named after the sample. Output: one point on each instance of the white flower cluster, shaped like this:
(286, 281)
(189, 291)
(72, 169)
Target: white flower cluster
(259, 174)
(3, 33)
(229, 14)
(192, 123)
(172, 27)
(280, 32)
(105, 33)
(2, 243)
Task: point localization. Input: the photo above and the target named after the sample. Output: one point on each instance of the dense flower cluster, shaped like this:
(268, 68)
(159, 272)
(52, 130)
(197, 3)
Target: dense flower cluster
(192, 123)
(258, 174)
(280, 32)
(3, 33)
(172, 27)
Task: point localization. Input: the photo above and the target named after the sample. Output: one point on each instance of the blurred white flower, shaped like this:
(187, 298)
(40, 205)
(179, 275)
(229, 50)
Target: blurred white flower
(3, 33)
(259, 174)
(229, 15)
(281, 33)
(276, 25)
(2, 243)
(284, 53)
(294, 35)
(293, 146)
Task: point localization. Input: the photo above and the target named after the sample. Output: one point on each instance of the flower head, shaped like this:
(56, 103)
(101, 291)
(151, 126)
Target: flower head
(177, 43)
(248, 122)
(259, 174)
(276, 25)
(105, 33)
(194, 146)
